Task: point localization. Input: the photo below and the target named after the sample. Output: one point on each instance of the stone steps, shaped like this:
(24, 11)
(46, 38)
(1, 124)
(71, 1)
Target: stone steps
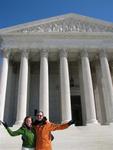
(91, 137)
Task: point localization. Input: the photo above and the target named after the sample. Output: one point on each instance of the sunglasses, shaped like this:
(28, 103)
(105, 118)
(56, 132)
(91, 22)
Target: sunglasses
(39, 115)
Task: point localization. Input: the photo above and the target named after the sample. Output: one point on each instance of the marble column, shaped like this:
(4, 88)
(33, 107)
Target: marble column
(22, 89)
(65, 87)
(88, 89)
(107, 86)
(44, 85)
(3, 82)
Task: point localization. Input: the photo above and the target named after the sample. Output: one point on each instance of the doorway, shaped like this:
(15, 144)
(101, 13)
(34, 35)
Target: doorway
(76, 110)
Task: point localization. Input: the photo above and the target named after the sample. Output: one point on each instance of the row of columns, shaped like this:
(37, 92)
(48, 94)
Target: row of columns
(65, 86)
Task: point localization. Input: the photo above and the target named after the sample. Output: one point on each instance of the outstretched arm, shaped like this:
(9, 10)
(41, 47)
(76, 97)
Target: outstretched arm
(12, 133)
(54, 127)
(15, 133)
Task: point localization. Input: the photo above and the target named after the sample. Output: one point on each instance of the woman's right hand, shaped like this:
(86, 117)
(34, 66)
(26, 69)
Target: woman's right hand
(4, 124)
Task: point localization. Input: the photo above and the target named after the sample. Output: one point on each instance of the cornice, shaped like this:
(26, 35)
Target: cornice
(96, 35)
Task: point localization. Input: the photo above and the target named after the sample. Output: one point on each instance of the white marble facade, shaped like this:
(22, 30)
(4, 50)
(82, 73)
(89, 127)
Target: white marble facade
(62, 66)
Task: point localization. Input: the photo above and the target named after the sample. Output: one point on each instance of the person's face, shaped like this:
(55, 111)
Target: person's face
(39, 116)
(28, 122)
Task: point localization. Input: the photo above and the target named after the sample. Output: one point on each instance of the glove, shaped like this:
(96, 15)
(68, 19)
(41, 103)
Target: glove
(52, 137)
(71, 122)
(4, 124)
(44, 119)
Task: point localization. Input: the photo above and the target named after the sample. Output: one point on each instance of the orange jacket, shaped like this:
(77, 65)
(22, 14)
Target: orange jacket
(43, 140)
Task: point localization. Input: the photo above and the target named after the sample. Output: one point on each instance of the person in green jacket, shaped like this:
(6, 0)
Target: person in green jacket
(27, 131)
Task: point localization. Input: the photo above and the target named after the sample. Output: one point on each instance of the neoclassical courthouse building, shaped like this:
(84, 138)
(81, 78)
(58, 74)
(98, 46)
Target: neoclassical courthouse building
(61, 65)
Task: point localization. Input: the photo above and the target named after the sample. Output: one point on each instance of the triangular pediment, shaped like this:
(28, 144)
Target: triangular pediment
(65, 23)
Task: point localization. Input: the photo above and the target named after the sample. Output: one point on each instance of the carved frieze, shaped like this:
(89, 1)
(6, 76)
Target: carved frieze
(68, 25)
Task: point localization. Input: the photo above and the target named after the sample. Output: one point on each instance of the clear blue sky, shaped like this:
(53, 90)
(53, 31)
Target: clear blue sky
(13, 12)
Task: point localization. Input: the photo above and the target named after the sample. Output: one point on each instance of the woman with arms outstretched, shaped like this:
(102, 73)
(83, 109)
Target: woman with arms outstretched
(27, 131)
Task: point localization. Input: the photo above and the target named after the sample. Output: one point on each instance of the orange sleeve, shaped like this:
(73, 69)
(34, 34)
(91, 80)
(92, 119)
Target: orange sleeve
(53, 127)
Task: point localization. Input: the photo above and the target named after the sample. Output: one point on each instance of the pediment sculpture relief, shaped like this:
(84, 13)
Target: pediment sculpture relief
(69, 25)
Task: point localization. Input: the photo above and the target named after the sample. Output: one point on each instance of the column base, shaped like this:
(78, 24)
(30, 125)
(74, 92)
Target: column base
(65, 121)
(106, 123)
(111, 124)
(18, 122)
(92, 122)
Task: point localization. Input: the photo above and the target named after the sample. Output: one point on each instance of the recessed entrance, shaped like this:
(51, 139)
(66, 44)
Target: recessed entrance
(76, 110)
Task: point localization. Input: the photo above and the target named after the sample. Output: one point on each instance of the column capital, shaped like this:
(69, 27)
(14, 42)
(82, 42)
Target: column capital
(63, 53)
(44, 53)
(84, 53)
(5, 53)
(25, 53)
(102, 53)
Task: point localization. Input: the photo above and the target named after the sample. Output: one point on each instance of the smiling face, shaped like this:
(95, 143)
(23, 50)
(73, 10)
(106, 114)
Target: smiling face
(39, 116)
(28, 121)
